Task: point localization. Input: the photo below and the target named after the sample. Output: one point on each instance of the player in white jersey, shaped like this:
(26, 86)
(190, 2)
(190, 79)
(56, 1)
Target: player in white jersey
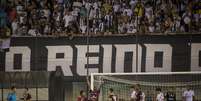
(133, 94)
(160, 95)
(137, 94)
(188, 95)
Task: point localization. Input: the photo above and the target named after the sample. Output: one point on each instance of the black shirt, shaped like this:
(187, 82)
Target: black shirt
(170, 96)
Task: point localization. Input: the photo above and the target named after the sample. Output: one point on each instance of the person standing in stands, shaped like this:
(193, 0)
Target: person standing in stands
(12, 95)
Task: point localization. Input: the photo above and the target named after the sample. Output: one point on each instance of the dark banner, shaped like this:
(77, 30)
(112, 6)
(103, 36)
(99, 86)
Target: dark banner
(106, 54)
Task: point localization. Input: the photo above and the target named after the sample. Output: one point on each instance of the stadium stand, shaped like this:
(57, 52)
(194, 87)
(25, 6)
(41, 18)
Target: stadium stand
(64, 17)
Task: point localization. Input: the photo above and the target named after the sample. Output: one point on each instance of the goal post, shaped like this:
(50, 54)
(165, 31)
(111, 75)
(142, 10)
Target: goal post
(175, 82)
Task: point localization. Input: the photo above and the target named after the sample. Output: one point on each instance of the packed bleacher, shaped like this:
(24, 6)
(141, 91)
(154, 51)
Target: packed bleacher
(101, 17)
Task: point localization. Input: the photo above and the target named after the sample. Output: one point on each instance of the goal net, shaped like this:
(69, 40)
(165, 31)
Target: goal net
(169, 82)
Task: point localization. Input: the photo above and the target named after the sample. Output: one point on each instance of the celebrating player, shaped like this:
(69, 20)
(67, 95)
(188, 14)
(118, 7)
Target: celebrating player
(188, 95)
(112, 96)
(160, 95)
(133, 94)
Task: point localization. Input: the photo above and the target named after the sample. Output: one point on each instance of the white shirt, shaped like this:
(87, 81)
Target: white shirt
(148, 12)
(47, 29)
(120, 28)
(143, 96)
(96, 5)
(133, 95)
(21, 19)
(133, 2)
(114, 98)
(67, 19)
(151, 29)
(92, 14)
(75, 12)
(116, 7)
(87, 5)
(187, 20)
(133, 30)
(14, 27)
(32, 32)
(129, 12)
(101, 26)
(46, 13)
(83, 28)
(186, 17)
(160, 97)
(188, 95)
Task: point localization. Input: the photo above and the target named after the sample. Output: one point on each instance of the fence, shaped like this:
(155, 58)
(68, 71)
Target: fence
(37, 82)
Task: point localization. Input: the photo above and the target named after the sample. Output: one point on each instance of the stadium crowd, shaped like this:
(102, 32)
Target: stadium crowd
(67, 17)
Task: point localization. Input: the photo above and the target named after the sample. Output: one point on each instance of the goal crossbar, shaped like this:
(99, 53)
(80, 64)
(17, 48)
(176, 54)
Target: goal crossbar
(139, 73)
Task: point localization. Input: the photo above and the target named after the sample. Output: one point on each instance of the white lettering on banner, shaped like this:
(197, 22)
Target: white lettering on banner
(195, 49)
(82, 59)
(120, 54)
(64, 63)
(167, 57)
(26, 54)
(107, 58)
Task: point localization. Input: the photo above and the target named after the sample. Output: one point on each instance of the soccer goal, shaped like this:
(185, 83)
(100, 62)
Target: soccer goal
(174, 82)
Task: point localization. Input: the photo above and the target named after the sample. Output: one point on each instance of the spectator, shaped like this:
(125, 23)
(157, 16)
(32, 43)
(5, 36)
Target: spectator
(12, 15)
(3, 18)
(111, 16)
(168, 24)
(116, 8)
(47, 12)
(151, 27)
(14, 26)
(33, 31)
(68, 18)
(149, 12)
(108, 21)
(47, 29)
(132, 3)
(187, 20)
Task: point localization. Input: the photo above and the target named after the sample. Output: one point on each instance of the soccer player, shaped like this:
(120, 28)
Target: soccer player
(12, 95)
(148, 96)
(93, 94)
(170, 96)
(133, 94)
(160, 95)
(188, 95)
(26, 95)
(140, 96)
(82, 96)
(111, 95)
